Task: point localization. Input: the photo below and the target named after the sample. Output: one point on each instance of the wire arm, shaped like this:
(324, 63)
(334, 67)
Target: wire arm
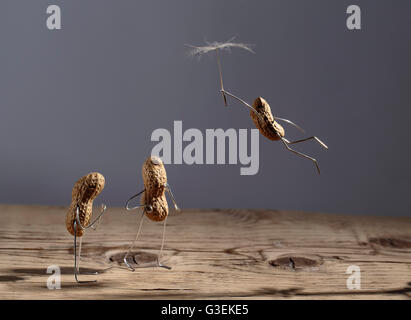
(90, 225)
(133, 197)
(244, 103)
(290, 122)
(221, 77)
(168, 188)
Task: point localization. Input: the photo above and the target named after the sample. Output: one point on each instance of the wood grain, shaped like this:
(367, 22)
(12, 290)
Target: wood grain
(263, 254)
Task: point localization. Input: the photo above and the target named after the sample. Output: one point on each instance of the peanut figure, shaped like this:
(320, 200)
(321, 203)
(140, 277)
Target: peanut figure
(260, 111)
(85, 190)
(265, 122)
(153, 201)
(78, 217)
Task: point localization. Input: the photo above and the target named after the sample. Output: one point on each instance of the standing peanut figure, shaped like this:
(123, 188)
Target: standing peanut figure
(153, 200)
(78, 217)
(260, 112)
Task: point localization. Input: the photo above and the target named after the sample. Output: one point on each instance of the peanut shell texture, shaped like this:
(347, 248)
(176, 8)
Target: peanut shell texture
(154, 198)
(267, 125)
(85, 190)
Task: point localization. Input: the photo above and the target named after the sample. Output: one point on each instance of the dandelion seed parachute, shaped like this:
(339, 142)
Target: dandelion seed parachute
(213, 46)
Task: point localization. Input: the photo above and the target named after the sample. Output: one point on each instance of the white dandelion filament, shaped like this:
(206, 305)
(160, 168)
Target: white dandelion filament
(212, 46)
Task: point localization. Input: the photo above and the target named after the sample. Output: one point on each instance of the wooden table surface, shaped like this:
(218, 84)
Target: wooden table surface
(263, 254)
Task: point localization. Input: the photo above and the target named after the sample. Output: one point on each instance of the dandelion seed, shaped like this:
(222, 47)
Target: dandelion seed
(217, 46)
(213, 46)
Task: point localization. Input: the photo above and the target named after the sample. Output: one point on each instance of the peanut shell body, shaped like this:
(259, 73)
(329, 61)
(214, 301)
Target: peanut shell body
(155, 180)
(85, 190)
(269, 127)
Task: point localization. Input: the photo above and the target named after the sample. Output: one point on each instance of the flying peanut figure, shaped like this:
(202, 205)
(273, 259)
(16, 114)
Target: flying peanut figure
(260, 111)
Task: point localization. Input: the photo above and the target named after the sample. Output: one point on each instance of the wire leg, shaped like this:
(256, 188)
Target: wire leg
(162, 246)
(75, 249)
(132, 244)
(285, 142)
(75, 257)
(79, 260)
(79, 254)
(313, 137)
(163, 238)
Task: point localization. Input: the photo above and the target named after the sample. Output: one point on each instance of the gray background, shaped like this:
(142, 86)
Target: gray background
(87, 98)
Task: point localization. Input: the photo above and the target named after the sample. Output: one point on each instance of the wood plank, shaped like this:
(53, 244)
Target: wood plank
(250, 254)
